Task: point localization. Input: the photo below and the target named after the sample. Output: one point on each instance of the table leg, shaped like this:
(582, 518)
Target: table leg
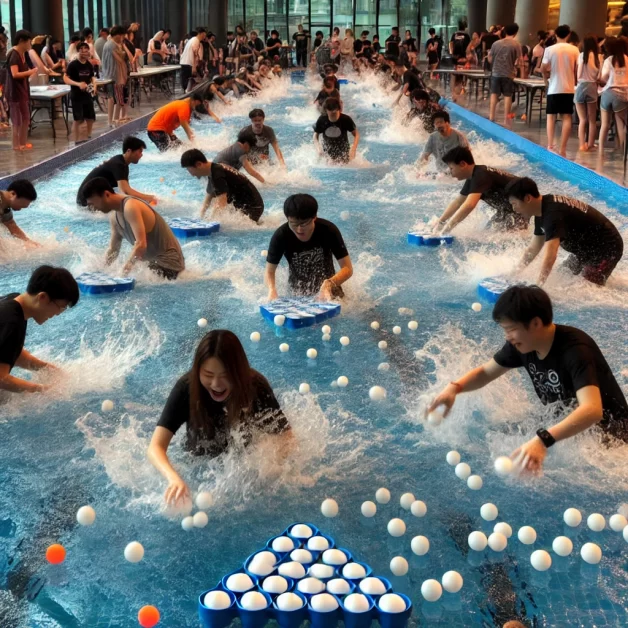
(65, 112)
(529, 105)
(52, 119)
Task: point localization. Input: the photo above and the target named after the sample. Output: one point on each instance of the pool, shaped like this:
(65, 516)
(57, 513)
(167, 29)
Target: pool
(61, 452)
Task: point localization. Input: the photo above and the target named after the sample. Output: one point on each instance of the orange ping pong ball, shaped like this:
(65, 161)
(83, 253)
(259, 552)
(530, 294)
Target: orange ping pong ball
(55, 554)
(148, 616)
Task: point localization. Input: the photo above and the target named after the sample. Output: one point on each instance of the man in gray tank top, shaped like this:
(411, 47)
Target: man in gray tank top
(135, 221)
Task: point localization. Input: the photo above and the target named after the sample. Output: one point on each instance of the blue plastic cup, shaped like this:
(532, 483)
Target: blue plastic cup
(358, 620)
(367, 569)
(324, 620)
(291, 619)
(395, 620)
(216, 618)
(290, 582)
(255, 619)
(374, 596)
(303, 541)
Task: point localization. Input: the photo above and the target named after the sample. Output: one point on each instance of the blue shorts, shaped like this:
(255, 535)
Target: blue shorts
(613, 101)
(586, 92)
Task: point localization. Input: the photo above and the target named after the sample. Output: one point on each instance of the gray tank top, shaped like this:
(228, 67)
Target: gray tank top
(162, 246)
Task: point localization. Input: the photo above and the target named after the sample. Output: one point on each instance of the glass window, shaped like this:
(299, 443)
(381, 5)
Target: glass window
(365, 17)
(387, 19)
(298, 14)
(4, 14)
(66, 28)
(235, 14)
(408, 17)
(343, 15)
(321, 16)
(19, 24)
(431, 17)
(255, 17)
(277, 18)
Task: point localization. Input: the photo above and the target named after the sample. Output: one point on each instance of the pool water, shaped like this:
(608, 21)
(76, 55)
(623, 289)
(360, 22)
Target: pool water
(61, 451)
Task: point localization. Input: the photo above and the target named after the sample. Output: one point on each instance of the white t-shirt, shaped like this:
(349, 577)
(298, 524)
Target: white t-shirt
(616, 78)
(562, 59)
(192, 51)
(589, 73)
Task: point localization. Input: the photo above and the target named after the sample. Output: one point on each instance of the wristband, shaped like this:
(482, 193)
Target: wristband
(457, 385)
(546, 438)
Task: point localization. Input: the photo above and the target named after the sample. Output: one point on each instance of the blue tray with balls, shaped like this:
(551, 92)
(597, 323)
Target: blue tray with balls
(492, 288)
(299, 311)
(323, 578)
(422, 238)
(101, 283)
(192, 228)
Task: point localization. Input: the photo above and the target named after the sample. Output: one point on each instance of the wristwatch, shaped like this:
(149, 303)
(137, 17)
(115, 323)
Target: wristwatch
(546, 438)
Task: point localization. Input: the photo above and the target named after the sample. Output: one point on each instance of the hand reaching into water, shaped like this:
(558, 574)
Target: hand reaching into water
(177, 491)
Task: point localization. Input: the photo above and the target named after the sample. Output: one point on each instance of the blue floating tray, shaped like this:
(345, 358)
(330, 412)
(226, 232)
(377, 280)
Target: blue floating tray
(418, 238)
(192, 228)
(101, 283)
(492, 288)
(300, 311)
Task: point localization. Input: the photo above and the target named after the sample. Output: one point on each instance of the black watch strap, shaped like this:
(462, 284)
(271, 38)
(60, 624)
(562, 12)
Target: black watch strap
(547, 439)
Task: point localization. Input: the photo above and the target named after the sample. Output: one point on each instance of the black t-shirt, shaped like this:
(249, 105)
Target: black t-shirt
(12, 329)
(460, 40)
(335, 140)
(317, 42)
(392, 45)
(574, 361)
(410, 44)
(323, 96)
(412, 80)
(114, 170)
(266, 416)
(357, 46)
(310, 263)
(425, 116)
(489, 40)
(366, 48)
(273, 42)
(239, 190)
(258, 44)
(132, 48)
(301, 40)
(377, 46)
(81, 73)
(582, 229)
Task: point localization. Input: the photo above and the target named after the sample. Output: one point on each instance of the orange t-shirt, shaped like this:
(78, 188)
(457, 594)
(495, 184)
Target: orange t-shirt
(169, 117)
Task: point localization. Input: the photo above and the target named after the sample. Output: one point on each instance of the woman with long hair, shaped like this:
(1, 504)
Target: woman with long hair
(588, 73)
(614, 78)
(220, 400)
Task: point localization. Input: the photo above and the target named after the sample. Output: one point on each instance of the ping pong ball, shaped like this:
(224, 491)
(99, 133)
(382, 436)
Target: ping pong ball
(392, 603)
(202, 322)
(338, 586)
(323, 603)
(148, 616)
(217, 600)
(541, 560)
(187, 523)
(134, 552)
(261, 566)
(405, 311)
(382, 495)
(476, 307)
(343, 381)
(312, 353)
(334, 557)
(356, 603)
(572, 517)
(372, 586)
(326, 337)
(596, 522)
(377, 393)
(420, 545)
(375, 325)
(284, 347)
(406, 501)
(617, 522)
(301, 531)
(527, 535)
(200, 519)
(396, 527)
(329, 508)
(107, 405)
(174, 191)
(497, 542)
(55, 554)
(452, 581)
(369, 509)
(86, 515)
(503, 466)
(353, 571)
(162, 179)
(436, 416)
(283, 544)
(319, 543)
(382, 344)
(453, 458)
(264, 253)
(474, 482)
(239, 582)
(431, 590)
(503, 528)
(591, 553)
(489, 512)
(477, 541)
(562, 545)
(344, 341)
(396, 330)
(326, 329)
(399, 566)
(204, 500)
(279, 320)
(292, 569)
(463, 470)
(320, 571)
(311, 586)
(384, 366)
(345, 215)
(254, 601)
(413, 325)
(256, 336)
(418, 508)
(304, 388)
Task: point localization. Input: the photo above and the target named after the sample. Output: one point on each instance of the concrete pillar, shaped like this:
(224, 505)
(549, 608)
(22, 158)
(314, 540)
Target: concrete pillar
(44, 17)
(531, 15)
(584, 16)
(500, 12)
(176, 19)
(476, 10)
(218, 19)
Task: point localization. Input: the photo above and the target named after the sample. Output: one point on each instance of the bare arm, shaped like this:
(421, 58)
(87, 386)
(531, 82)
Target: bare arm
(470, 203)
(133, 215)
(219, 204)
(114, 246)
(15, 231)
(451, 209)
(207, 201)
(80, 84)
(127, 189)
(158, 455)
(188, 131)
(29, 362)
(545, 71)
(20, 75)
(16, 384)
(549, 258)
(532, 251)
(354, 147)
(269, 280)
(249, 168)
(278, 152)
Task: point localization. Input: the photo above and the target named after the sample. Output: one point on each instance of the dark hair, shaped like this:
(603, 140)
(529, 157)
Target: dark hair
(200, 30)
(274, 32)
(87, 32)
(118, 30)
(96, 187)
(329, 81)
(320, 33)
(300, 206)
(590, 47)
(458, 155)
(256, 113)
(395, 28)
(191, 157)
(167, 31)
(562, 32)
(23, 189)
(541, 34)
(57, 283)
(76, 37)
(521, 304)
(616, 48)
(375, 37)
(521, 187)
(81, 45)
(196, 95)
(247, 137)
(512, 29)
(224, 345)
(432, 31)
(462, 25)
(103, 30)
(364, 33)
(331, 104)
(444, 115)
(132, 143)
(420, 94)
(21, 36)
(573, 38)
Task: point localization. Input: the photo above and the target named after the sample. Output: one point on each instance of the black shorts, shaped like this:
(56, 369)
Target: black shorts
(163, 141)
(165, 273)
(596, 271)
(254, 212)
(83, 107)
(432, 58)
(560, 103)
(502, 85)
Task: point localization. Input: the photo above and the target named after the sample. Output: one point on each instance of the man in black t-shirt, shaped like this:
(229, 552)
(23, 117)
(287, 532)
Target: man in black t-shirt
(329, 91)
(82, 80)
(334, 126)
(592, 240)
(309, 244)
(481, 183)
(256, 43)
(18, 195)
(459, 42)
(225, 186)
(300, 41)
(50, 292)
(392, 43)
(423, 109)
(273, 45)
(565, 365)
(116, 171)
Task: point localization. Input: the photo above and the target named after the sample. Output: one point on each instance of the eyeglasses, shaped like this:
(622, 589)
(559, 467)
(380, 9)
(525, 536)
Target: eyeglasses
(299, 225)
(61, 308)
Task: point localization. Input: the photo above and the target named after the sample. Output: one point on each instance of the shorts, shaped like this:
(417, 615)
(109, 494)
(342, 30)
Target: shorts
(595, 271)
(612, 100)
(586, 92)
(432, 58)
(119, 93)
(20, 113)
(83, 108)
(508, 220)
(163, 141)
(165, 273)
(502, 85)
(254, 212)
(560, 103)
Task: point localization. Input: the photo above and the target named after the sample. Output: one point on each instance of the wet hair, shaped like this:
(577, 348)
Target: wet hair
(256, 113)
(443, 115)
(300, 206)
(562, 32)
(457, 155)
(420, 94)
(522, 304)
(57, 283)
(247, 137)
(132, 143)
(331, 104)
(21, 36)
(81, 45)
(117, 30)
(191, 157)
(96, 187)
(521, 187)
(23, 189)
(512, 29)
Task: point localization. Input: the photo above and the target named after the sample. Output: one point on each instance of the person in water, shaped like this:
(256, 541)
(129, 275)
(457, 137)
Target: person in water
(237, 154)
(50, 292)
(18, 195)
(309, 244)
(264, 138)
(135, 221)
(334, 126)
(564, 364)
(221, 401)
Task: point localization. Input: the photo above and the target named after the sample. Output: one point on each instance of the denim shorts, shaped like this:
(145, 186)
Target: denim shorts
(613, 100)
(586, 92)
